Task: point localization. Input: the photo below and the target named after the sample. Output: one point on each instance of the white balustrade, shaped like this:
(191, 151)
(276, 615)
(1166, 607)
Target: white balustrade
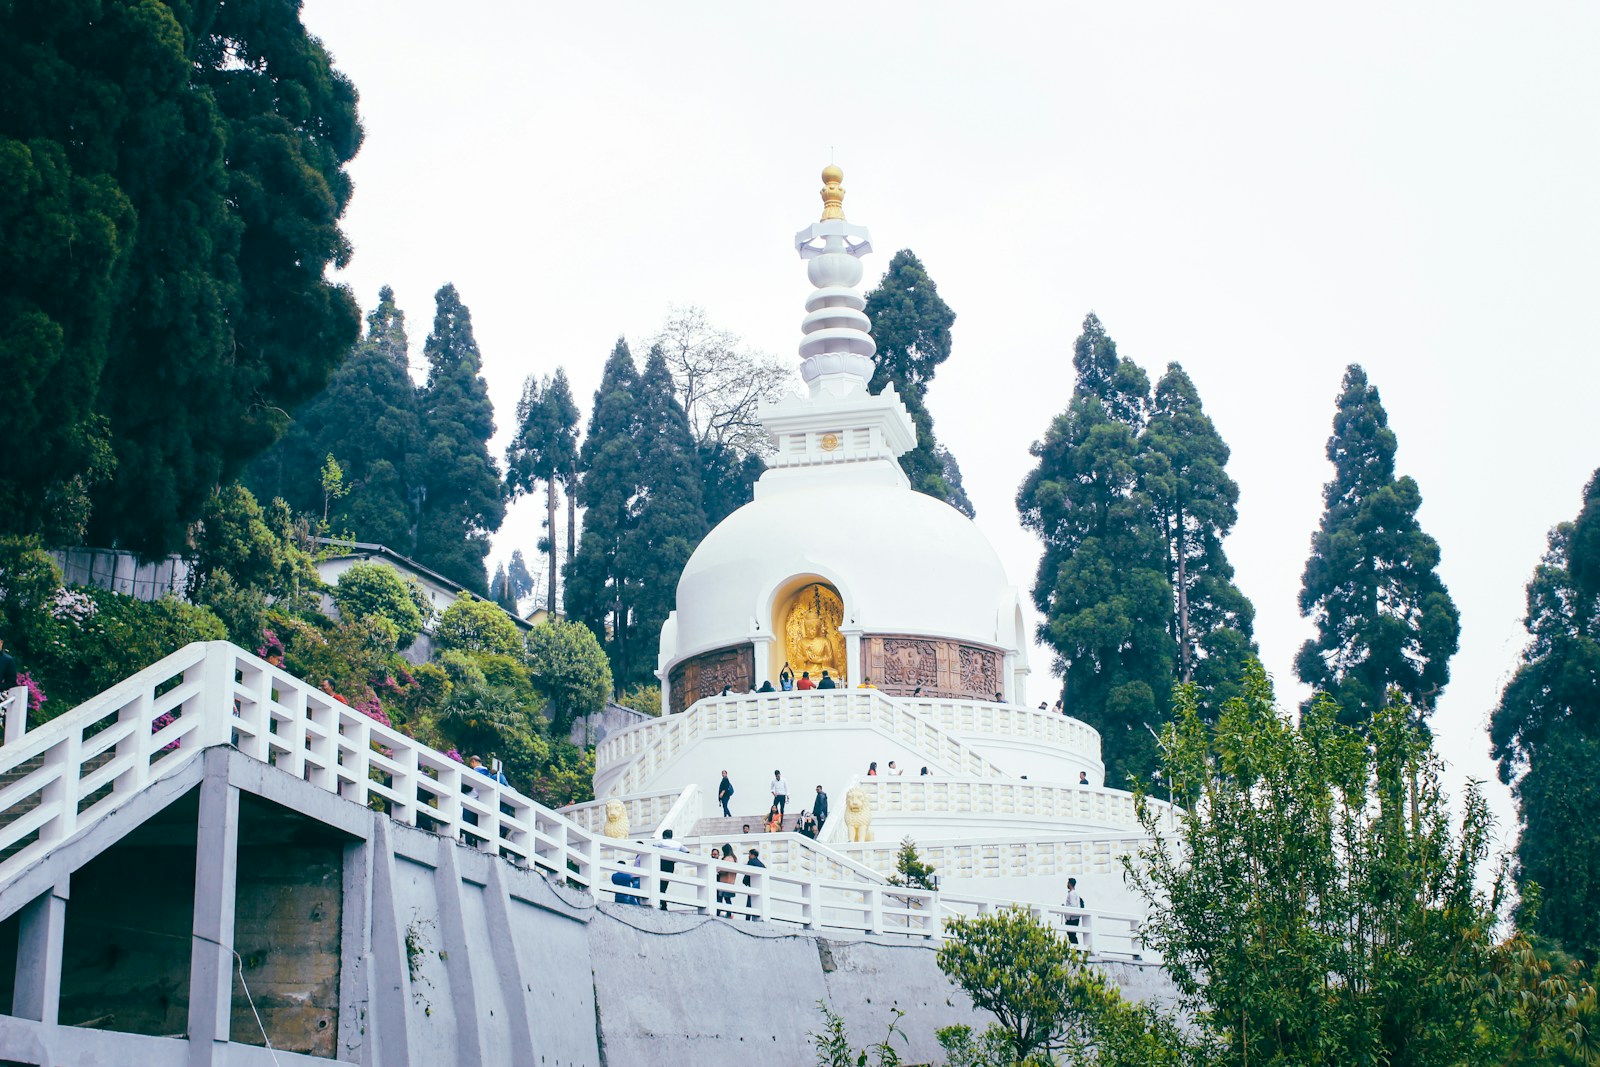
(646, 748)
(1005, 799)
(90, 761)
(985, 718)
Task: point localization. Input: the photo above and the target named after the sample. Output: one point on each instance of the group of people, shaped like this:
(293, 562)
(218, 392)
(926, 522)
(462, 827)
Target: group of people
(810, 822)
(894, 770)
(787, 682)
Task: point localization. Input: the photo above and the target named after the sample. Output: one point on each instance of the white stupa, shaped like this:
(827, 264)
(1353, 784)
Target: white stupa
(838, 568)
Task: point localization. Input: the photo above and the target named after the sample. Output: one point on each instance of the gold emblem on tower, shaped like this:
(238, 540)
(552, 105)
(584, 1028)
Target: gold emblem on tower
(830, 442)
(832, 193)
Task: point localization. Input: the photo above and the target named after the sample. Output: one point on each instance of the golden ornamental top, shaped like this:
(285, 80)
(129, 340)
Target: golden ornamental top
(832, 193)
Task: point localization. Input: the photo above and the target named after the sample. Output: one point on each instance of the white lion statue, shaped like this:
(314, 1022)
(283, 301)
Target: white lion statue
(858, 814)
(616, 820)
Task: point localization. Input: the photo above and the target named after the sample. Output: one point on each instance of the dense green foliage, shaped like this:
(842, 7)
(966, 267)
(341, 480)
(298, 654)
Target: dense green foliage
(569, 670)
(474, 625)
(1315, 902)
(367, 420)
(460, 486)
(1039, 989)
(544, 452)
(89, 640)
(911, 324)
(1385, 621)
(643, 513)
(184, 278)
(370, 590)
(1546, 734)
(1132, 504)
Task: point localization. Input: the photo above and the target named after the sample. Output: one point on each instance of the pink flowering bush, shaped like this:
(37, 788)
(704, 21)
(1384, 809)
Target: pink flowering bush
(36, 697)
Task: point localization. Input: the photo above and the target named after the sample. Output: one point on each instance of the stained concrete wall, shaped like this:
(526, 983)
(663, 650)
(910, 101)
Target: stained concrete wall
(379, 944)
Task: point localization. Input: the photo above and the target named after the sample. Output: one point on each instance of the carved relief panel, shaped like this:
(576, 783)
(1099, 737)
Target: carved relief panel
(709, 673)
(900, 665)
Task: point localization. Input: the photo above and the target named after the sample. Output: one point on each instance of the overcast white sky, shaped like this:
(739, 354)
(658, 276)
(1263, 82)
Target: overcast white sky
(1263, 193)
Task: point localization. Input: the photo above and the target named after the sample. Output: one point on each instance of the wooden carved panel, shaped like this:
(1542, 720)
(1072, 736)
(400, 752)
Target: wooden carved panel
(710, 672)
(900, 664)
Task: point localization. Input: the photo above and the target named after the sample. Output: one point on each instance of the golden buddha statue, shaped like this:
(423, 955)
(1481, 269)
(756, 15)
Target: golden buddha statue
(811, 631)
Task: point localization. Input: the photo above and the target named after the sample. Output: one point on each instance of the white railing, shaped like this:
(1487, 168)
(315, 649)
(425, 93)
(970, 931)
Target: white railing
(648, 747)
(985, 718)
(14, 706)
(98, 756)
(1009, 856)
(1007, 799)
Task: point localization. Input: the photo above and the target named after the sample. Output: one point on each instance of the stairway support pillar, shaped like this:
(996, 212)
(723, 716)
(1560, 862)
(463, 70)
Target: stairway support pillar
(215, 889)
(40, 934)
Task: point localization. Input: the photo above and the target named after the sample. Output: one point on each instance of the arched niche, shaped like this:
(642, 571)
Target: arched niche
(808, 613)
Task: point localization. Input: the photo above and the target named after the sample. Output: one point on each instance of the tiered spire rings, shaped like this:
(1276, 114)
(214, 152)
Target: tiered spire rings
(838, 347)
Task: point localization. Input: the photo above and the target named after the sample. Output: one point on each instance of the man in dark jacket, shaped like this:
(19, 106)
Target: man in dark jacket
(725, 794)
(753, 861)
(819, 808)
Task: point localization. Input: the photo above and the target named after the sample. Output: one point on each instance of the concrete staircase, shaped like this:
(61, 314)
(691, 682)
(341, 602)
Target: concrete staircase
(720, 827)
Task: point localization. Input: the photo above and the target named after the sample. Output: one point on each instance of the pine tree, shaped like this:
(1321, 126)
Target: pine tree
(1384, 618)
(518, 574)
(1102, 585)
(543, 451)
(672, 518)
(911, 324)
(461, 501)
(1546, 734)
(174, 181)
(367, 420)
(1195, 507)
(598, 593)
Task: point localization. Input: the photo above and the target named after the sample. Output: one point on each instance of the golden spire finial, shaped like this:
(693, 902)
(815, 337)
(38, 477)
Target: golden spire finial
(832, 193)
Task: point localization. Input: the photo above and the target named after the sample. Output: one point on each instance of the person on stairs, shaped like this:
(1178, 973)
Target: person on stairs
(780, 792)
(725, 794)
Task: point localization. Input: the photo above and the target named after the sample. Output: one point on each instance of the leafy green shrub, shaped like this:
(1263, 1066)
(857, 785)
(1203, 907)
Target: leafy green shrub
(474, 625)
(93, 639)
(570, 670)
(644, 698)
(372, 590)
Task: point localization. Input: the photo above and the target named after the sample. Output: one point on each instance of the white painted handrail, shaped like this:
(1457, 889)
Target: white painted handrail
(1008, 799)
(985, 718)
(1010, 855)
(85, 764)
(14, 706)
(645, 748)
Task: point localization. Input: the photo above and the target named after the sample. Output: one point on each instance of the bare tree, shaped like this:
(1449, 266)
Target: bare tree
(721, 381)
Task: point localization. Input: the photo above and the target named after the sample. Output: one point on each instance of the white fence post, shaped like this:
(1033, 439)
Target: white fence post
(15, 703)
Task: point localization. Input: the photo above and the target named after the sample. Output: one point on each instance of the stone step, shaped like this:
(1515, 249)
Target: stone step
(720, 827)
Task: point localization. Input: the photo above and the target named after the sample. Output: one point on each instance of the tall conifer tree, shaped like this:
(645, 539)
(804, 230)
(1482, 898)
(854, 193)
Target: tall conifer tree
(1102, 584)
(174, 177)
(672, 517)
(1546, 734)
(1195, 508)
(367, 420)
(911, 324)
(461, 497)
(543, 451)
(1384, 618)
(599, 592)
